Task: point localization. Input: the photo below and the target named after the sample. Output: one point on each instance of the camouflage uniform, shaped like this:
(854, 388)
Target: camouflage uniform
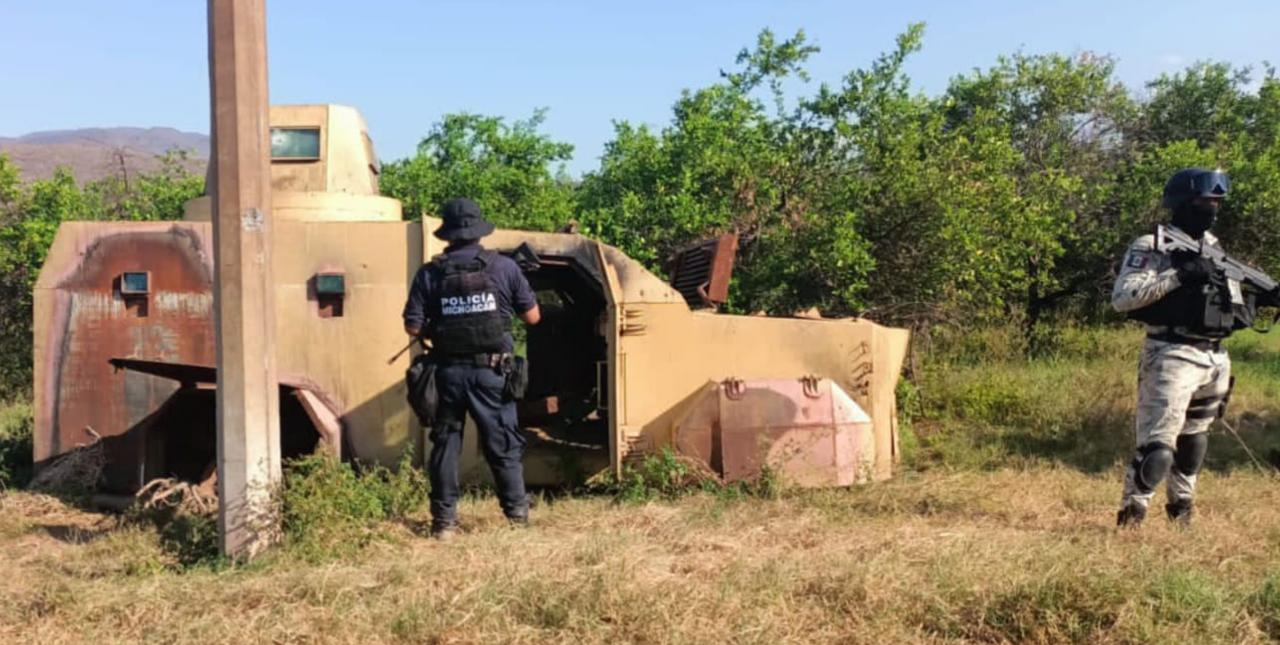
(1181, 385)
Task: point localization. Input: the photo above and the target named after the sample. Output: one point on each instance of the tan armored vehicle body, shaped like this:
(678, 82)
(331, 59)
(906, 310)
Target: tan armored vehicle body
(621, 365)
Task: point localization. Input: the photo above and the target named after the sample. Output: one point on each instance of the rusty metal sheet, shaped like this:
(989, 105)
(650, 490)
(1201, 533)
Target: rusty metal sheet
(93, 320)
(701, 272)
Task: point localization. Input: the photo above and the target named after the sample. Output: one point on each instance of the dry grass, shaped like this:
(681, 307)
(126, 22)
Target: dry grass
(1005, 556)
(1002, 532)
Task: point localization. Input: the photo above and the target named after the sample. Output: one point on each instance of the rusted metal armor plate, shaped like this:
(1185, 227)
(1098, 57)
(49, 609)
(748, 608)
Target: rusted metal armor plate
(91, 320)
(809, 432)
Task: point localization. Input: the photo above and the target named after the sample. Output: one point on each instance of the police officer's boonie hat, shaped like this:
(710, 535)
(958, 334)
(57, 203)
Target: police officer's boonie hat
(462, 221)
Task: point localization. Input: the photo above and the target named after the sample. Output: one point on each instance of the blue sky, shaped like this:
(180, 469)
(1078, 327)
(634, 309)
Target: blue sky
(82, 63)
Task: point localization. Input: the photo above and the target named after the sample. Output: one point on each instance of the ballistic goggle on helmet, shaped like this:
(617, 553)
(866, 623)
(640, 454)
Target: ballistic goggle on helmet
(1189, 183)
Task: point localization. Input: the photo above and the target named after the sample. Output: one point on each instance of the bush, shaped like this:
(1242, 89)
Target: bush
(192, 539)
(946, 345)
(15, 445)
(331, 507)
(668, 476)
(186, 526)
(661, 476)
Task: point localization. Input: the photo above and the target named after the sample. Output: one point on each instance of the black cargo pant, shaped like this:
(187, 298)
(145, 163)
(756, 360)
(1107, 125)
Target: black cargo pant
(476, 389)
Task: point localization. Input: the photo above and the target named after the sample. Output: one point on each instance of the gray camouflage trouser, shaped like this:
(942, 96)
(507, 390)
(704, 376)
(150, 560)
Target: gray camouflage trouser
(1180, 389)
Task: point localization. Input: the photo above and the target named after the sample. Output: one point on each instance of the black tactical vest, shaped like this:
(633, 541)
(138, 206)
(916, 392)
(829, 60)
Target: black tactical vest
(1203, 310)
(463, 314)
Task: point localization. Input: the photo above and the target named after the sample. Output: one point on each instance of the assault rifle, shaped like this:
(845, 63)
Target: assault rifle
(1169, 240)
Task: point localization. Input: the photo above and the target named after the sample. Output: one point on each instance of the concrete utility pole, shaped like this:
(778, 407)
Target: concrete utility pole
(244, 296)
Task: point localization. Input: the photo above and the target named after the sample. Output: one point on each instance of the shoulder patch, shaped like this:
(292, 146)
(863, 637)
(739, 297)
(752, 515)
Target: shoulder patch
(1138, 260)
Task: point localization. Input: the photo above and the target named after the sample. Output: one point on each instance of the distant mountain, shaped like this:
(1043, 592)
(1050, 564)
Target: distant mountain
(94, 153)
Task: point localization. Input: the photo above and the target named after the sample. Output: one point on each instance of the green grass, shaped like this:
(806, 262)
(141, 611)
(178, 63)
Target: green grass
(978, 406)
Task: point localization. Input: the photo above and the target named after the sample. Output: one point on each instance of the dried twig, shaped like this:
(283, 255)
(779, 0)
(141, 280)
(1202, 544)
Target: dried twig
(168, 493)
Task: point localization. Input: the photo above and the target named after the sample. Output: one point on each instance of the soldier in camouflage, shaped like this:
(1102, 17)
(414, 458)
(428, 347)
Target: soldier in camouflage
(1184, 377)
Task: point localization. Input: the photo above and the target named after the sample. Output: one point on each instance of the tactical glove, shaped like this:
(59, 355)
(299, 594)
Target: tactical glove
(1193, 268)
(1269, 298)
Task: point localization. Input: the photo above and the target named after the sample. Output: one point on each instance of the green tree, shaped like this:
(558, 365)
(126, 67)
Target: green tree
(33, 221)
(149, 196)
(872, 142)
(1065, 125)
(1007, 197)
(727, 162)
(15, 291)
(1204, 103)
(1211, 115)
(514, 172)
(30, 215)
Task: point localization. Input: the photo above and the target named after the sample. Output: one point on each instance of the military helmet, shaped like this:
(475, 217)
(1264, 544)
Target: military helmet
(1189, 183)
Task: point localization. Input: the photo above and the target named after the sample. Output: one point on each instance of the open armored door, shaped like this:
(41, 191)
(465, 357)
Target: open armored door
(178, 438)
(614, 369)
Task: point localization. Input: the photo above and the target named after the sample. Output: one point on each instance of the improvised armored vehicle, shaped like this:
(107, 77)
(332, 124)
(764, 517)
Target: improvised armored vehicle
(622, 365)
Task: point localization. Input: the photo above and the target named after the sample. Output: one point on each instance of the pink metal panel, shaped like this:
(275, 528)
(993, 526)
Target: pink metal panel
(807, 431)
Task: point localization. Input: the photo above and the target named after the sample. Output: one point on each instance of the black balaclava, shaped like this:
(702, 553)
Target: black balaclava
(1196, 218)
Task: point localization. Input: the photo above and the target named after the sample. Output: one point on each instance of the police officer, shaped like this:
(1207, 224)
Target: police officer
(1184, 375)
(463, 300)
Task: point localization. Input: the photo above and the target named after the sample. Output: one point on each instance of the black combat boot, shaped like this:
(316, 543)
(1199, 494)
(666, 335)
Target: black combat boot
(1131, 515)
(1179, 512)
(444, 530)
(518, 515)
